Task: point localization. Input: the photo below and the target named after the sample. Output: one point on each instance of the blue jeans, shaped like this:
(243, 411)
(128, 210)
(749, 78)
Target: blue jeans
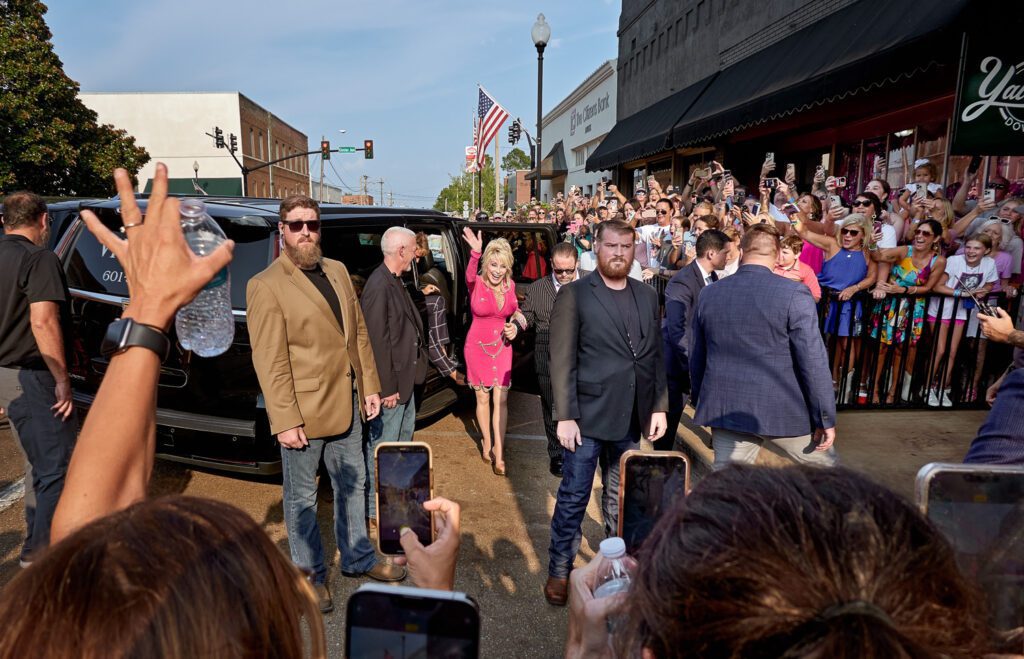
(393, 425)
(46, 440)
(574, 493)
(343, 457)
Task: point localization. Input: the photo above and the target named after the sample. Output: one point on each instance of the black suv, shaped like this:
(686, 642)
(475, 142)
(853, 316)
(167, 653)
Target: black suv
(210, 412)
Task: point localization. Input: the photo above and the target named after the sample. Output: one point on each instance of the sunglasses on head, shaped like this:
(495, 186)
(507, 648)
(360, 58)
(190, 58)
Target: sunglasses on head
(295, 226)
(564, 271)
(850, 232)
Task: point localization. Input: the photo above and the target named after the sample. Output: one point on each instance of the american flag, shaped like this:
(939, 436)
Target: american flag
(491, 116)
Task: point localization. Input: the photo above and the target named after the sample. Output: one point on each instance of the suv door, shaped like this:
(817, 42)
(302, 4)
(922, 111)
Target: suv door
(531, 246)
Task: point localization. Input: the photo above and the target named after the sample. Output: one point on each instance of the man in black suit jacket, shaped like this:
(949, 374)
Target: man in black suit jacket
(396, 333)
(680, 298)
(758, 367)
(608, 383)
(540, 299)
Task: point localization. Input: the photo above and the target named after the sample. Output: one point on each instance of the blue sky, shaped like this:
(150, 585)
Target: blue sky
(402, 73)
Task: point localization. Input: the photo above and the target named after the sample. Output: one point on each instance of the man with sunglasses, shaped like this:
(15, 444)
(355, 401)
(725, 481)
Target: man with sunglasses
(998, 183)
(314, 361)
(652, 236)
(35, 388)
(537, 306)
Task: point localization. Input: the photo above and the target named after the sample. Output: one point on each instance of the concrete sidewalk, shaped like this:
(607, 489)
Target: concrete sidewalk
(889, 447)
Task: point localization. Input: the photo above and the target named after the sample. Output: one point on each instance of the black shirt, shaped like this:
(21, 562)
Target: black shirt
(319, 279)
(31, 274)
(629, 314)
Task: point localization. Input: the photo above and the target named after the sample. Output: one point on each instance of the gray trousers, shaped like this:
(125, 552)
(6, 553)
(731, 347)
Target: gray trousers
(27, 395)
(732, 446)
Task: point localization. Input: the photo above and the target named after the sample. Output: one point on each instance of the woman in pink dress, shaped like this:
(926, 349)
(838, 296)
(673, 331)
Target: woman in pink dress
(488, 351)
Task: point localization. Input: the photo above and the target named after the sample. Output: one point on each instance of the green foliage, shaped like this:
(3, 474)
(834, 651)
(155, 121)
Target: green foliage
(514, 160)
(461, 188)
(50, 142)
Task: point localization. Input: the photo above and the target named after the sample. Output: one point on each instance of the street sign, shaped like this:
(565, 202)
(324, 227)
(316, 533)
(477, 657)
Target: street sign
(346, 149)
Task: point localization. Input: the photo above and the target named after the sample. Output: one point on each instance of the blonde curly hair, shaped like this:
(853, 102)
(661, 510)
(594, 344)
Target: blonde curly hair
(498, 249)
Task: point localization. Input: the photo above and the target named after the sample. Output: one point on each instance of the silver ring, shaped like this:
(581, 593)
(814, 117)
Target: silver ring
(125, 228)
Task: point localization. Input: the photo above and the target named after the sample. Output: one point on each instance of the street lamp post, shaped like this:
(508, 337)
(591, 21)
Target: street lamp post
(541, 33)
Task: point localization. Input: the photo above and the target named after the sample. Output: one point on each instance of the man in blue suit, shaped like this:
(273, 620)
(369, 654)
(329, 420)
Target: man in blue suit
(680, 299)
(758, 367)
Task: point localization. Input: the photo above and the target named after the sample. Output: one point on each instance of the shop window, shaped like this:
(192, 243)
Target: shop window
(931, 144)
(848, 165)
(1012, 169)
(873, 165)
(900, 159)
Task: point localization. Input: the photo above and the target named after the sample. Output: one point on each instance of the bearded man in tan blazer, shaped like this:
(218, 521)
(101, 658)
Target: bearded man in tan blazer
(315, 365)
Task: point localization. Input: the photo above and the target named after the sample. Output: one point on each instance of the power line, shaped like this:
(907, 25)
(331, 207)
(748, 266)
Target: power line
(341, 180)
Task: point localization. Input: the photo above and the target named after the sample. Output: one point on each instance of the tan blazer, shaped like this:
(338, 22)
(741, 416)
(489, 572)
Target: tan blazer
(304, 361)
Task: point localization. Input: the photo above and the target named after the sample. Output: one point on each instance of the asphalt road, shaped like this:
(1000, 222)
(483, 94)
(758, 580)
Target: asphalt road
(506, 522)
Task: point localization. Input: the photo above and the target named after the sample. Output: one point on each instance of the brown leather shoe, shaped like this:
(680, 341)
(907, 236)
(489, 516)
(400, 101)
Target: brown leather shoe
(382, 571)
(323, 597)
(556, 591)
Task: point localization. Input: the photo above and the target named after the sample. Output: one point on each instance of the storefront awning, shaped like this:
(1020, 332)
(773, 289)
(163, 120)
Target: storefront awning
(553, 165)
(217, 187)
(854, 50)
(643, 133)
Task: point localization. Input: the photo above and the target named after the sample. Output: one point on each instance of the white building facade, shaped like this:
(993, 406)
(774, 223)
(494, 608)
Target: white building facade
(573, 129)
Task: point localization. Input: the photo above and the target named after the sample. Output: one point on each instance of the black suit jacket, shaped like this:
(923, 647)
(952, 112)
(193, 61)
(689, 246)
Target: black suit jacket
(396, 333)
(595, 377)
(680, 299)
(536, 307)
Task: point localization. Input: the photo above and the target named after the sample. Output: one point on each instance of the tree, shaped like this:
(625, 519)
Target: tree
(461, 188)
(514, 160)
(50, 142)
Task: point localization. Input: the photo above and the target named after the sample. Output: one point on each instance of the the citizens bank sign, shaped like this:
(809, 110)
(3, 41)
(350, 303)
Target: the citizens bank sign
(989, 116)
(583, 115)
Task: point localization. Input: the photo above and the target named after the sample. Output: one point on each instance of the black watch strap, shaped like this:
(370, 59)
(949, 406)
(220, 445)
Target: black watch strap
(125, 333)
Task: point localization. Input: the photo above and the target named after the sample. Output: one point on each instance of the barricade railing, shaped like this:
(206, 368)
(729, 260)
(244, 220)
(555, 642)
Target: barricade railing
(907, 351)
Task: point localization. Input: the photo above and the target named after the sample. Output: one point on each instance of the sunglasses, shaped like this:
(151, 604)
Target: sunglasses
(662, 212)
(295, 226)
(861, 202)
(564, 271)
(921, 232)
(997, 186)
(849, 232)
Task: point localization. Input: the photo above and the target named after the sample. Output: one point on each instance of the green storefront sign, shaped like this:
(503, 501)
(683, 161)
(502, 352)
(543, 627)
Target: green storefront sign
(989, 117)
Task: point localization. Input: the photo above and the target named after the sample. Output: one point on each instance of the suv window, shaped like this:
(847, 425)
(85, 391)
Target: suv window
(92, 267)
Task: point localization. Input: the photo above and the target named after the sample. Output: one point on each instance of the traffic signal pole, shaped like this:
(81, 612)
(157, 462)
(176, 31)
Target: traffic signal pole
(321, 195)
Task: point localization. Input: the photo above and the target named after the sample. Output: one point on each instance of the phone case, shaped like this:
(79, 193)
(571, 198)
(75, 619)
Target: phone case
(928, 472)
(632, 453)
(376, 482)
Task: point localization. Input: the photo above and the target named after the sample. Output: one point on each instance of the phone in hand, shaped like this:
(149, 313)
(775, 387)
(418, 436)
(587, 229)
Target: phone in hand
(771, 183)
(702, 173)
(980, 511)
(834, 201)
(740, 197)
(404, 481)
(819, 170)
(790, 170)
(726, 174)
(975, 165)
(651, 482)
(756, 209)
(769, 157)
(399, 621)
(840, 181)
(877, 226)
(990, 195)
(921, 193)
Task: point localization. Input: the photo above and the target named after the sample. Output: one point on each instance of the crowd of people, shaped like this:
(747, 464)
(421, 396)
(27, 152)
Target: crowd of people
(810, 560)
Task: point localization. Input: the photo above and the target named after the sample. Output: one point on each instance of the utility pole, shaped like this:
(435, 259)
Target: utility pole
(497, 177)
(380, 199)
(362, 186)
(322, 138)
(391, 198)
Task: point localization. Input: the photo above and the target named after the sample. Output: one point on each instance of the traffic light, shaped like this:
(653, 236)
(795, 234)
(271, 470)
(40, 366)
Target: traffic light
(325, 150)
(234, 142)
(515, 130)
(218, 138)
(368, 149)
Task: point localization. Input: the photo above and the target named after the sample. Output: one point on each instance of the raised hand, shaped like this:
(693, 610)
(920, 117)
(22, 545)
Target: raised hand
(474, 240)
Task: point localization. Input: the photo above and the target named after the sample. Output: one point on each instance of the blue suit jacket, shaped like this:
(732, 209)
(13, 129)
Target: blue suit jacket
(680, 299)
(757, 360)
(1000, 439)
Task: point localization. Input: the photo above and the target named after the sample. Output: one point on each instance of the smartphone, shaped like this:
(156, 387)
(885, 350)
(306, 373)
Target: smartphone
(983, 307)
(769, 157)
(740, 198)
(877, 226)
(756, 209)
(651, 482)
(834, 200)
(819, 170)
(726, 174)
(650, 212)
(399, 621)
(790, 170)
(702, 172)
(980, 511)
(975, 165)
(840, 181)
(990, 195)
(921, 192)
(405, 480)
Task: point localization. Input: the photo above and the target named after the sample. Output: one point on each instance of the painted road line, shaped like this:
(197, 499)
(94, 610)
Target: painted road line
(12, 494)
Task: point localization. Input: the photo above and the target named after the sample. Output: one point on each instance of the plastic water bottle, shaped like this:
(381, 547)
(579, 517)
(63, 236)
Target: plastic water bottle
(206, 325)
(617, 572)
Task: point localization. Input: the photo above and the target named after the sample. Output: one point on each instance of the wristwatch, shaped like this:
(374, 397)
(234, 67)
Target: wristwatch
(125, 333)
